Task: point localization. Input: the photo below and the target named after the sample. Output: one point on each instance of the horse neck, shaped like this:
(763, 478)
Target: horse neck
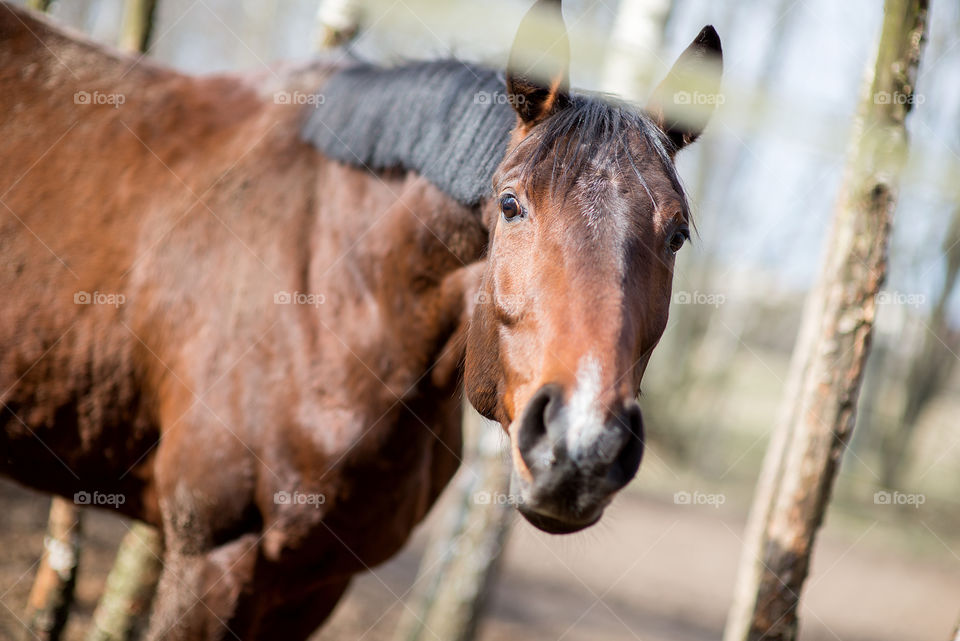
(389, 249)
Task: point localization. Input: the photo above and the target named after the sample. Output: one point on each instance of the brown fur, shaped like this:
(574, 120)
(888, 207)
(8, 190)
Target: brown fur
(168, 201)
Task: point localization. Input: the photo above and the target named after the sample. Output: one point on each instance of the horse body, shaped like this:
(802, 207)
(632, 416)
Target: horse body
(165, 200)
(227, 323)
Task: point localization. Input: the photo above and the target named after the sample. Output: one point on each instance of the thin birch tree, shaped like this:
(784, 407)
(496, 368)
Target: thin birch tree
(820, 401)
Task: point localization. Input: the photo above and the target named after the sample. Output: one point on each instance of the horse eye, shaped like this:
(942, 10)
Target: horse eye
(679, 237)
(510, 207)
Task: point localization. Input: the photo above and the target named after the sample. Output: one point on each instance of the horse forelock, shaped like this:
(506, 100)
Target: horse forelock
(596, 141)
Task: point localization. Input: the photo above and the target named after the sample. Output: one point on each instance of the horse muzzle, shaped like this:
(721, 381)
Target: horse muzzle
(573, 459)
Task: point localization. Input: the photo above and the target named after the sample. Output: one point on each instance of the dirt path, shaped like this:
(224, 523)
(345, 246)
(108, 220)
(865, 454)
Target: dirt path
(662, 572)
(652, 570)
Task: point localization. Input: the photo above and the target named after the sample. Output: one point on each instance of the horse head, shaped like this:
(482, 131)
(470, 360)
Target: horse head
(585, 221)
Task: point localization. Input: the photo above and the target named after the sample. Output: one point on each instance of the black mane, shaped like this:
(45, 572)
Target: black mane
(450, 122)
(446, 120)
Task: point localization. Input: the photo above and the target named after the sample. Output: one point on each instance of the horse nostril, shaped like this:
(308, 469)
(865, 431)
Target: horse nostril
(541, 408)
(625, 466)
(556, 452)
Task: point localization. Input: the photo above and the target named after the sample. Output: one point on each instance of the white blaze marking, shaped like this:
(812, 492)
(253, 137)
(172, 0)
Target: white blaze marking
(584, 418)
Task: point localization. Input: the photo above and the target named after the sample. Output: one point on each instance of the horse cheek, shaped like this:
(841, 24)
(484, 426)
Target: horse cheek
(482, 373)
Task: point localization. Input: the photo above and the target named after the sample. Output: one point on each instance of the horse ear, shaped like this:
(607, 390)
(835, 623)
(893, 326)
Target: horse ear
(538, 73)
(685, 100)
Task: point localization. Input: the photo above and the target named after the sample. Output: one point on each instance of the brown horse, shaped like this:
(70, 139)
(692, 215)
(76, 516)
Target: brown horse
(245, 319)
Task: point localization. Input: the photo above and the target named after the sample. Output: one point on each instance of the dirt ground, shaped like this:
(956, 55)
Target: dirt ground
(652, 570)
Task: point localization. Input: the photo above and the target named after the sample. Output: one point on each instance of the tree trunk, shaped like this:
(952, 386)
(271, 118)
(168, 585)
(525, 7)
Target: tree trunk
(52, 594)
(637, 36)
(461, 558)
(40, 5)
(137, 28)
(124, 608)
(818, 414)
(338, 21)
